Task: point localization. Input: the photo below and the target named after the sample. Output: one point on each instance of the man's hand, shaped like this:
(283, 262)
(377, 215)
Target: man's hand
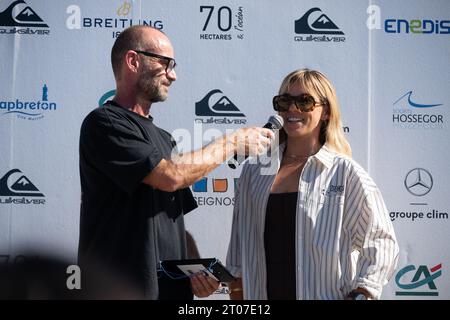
(252, 141)
(203, 286)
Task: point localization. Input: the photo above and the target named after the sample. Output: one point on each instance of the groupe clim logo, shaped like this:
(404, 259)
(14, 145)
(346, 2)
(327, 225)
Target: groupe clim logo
(411, 111)
(17, 189)
(19, 18)
(418, 280)
(419, 182)
(123, 18)
(406, 25)
(29, 109)
(316, 26)
(215, 190)
(217, 108)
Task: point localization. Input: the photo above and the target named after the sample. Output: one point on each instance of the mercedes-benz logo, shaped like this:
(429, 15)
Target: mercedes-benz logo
(418, 182)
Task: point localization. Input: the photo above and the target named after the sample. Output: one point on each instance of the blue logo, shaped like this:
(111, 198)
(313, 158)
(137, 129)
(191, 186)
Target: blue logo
(408, 113)
(414, 104)
(29, 110)
(423, 277)
(107, 96)
(201, 185)
(417, 26)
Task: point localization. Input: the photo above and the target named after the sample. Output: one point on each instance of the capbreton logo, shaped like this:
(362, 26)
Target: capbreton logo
(29, 110)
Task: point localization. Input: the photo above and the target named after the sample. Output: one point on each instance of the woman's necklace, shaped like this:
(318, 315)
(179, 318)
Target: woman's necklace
(296, 159)
(293, 159)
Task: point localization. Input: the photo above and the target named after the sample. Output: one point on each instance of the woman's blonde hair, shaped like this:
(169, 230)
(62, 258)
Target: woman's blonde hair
(316, 83)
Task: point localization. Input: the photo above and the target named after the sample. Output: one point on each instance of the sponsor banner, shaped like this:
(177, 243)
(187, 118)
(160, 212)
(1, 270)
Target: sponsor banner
(20, 18)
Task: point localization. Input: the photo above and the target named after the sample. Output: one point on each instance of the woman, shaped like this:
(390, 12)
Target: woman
(318, 227)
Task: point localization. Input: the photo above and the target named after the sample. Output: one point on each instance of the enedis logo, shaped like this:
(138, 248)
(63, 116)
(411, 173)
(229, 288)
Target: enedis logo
(29, 110)
(76, 21)
(216, 186)
(20, 18)
(315, 22)
(409, 279)
(408, 113)
(16, 188)
(217, 108)
(414, 26)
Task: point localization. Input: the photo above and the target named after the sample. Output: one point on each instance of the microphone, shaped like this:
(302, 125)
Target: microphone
(275, 122)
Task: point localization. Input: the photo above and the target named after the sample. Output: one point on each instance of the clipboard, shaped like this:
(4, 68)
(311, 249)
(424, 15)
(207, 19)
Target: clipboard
(211, 267)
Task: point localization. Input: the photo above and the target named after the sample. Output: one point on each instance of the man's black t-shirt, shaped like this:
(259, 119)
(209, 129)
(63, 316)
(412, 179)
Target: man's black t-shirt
(125, 224)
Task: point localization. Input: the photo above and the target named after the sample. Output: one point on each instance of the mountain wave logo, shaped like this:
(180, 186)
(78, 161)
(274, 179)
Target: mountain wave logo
(15, 183)
(26, 18)
(216, 104)
(321, 24)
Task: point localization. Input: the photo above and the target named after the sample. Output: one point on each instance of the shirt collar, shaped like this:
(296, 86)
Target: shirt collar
(326, 156)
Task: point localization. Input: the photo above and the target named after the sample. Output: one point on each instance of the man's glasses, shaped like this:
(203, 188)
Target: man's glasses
(170, 61)
(304, 102)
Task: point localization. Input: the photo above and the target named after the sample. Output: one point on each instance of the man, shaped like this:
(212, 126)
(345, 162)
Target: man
(134, 194)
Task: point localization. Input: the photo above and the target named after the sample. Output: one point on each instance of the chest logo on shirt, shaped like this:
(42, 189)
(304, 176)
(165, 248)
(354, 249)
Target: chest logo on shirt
(334, 190)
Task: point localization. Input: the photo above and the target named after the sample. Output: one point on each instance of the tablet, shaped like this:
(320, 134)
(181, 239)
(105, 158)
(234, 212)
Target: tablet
(211, 267)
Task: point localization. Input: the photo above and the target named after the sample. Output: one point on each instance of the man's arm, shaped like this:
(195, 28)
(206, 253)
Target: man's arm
(184, 170)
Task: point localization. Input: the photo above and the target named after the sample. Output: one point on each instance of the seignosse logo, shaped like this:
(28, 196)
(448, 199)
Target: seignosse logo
(216, 186)
(29, 110)
(19, 18)
(16, 188)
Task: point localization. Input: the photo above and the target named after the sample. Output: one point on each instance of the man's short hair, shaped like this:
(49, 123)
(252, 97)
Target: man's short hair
(129, 39)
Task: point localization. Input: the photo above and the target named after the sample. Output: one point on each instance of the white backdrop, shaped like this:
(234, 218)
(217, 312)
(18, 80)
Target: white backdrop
(389, 61)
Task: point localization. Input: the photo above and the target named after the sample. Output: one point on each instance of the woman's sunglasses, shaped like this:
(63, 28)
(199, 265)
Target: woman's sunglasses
(304, 102)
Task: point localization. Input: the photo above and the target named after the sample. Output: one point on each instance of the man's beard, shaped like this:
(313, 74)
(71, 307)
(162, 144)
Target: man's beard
(150, 89)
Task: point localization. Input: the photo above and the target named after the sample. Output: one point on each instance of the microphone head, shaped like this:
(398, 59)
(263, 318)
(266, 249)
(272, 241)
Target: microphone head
(276, 122)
